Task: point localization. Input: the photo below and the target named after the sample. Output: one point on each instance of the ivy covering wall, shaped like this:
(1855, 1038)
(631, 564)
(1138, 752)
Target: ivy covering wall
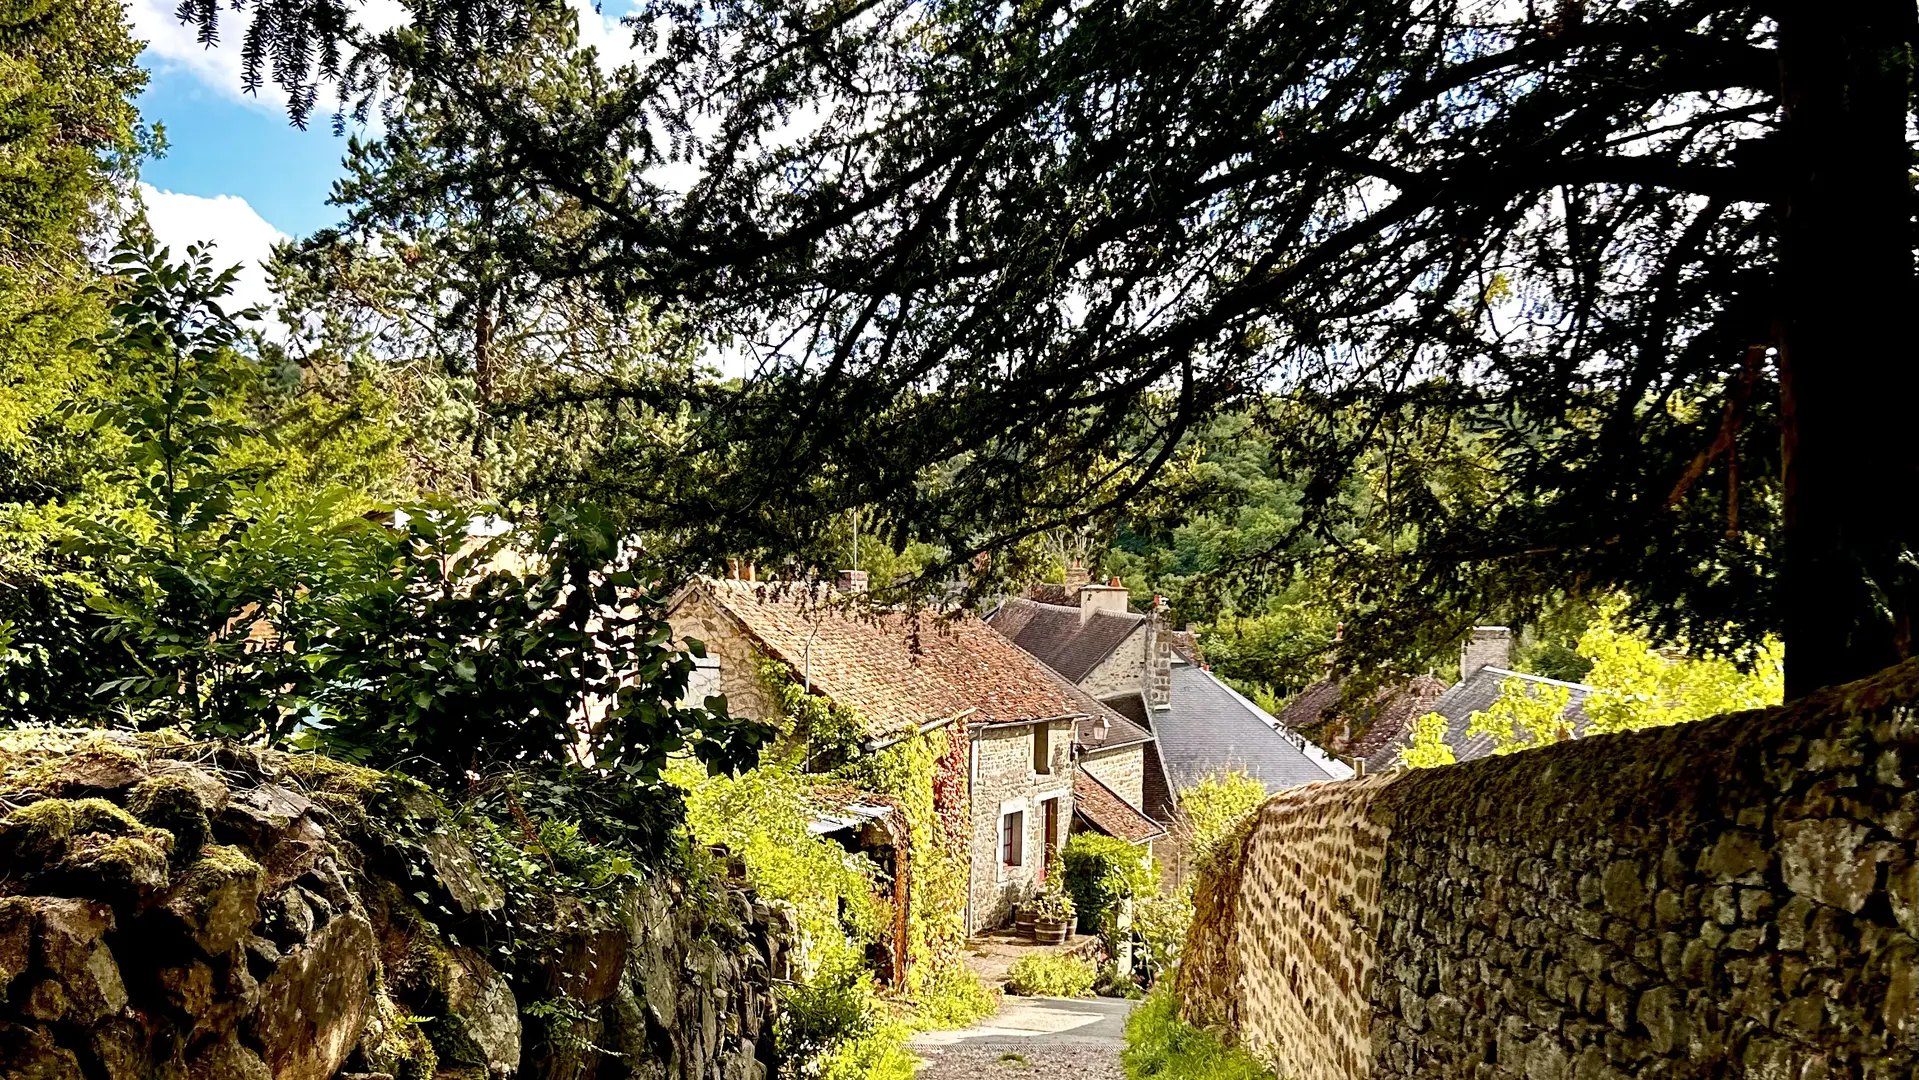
(818, 763)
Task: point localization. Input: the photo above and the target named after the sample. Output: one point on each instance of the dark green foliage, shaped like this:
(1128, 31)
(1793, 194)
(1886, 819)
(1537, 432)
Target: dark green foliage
(1020, 252)
(454, 663)
(1101, 871)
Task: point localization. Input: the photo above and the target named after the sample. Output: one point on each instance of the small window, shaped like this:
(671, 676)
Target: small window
(1042, 749)
(1012, 838)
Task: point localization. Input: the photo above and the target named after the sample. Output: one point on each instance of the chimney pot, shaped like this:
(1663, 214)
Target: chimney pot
(1077, 576)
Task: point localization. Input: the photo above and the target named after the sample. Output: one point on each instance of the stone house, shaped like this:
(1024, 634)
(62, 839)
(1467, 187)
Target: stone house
(905, 675)
(1120, 657)
(1485, 670)
(1191, 724)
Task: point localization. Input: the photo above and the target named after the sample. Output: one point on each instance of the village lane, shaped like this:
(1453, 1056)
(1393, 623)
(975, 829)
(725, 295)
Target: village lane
(1032, 1038)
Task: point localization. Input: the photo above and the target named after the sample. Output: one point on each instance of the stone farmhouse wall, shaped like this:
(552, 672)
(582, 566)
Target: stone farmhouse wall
(1003, 780)
(1122, 769)
(698, 618)
(1121, 673)
(1733, 898)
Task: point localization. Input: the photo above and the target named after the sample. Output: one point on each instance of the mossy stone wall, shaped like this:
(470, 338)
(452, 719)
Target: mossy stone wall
(1737, 897)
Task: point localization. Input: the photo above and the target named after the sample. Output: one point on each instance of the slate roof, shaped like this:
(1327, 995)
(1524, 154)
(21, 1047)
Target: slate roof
(1056, 634)
(901, 670)
(1474, 694)
(1109, 811)
(1210, 726)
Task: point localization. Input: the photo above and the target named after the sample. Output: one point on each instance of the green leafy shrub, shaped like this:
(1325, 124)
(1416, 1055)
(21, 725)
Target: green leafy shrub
(820, 1014)
(1161, 1046)
(1052, 904)
(1051, 975)
(953, 998)
(1217, 806)
(1100, 872)
(1160, 924)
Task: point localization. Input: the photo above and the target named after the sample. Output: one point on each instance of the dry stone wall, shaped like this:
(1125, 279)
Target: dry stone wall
(1732, 898)
(201, 910)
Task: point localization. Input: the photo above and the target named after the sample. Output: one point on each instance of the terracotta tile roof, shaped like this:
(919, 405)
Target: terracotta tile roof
(897, 670)
(1059, 637)
(1109, 812)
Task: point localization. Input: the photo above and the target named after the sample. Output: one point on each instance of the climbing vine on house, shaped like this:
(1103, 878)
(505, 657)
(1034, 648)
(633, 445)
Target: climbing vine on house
(818, 762)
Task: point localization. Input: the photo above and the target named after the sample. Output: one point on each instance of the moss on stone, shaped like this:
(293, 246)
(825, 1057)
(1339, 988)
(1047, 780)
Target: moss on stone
(171, 803)
(394, 1043)
(38, 834)
(121, 865)
(327, 774)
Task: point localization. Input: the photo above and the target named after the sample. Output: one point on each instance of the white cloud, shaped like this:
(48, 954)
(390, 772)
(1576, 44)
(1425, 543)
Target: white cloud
(174, 47)
(228, 223)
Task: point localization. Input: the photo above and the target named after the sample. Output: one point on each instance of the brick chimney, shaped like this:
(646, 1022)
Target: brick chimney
(1094, 598)
(1158, 673)
(851, 581)
(1077, 576)
(1488, 646)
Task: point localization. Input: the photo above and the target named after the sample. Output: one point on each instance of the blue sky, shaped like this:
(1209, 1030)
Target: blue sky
(236, 173)
(220, 145)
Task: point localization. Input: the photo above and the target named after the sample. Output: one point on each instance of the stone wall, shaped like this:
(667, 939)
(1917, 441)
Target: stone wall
(201, 910)
(1736, 897)
(1124, 672)
(1003, 779)
(695, 616)
(1123, 769)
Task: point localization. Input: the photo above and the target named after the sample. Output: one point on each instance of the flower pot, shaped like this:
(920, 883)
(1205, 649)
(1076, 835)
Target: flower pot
(1052, 931)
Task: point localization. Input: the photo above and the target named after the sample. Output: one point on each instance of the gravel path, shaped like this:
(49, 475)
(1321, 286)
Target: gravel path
(1032, 1039)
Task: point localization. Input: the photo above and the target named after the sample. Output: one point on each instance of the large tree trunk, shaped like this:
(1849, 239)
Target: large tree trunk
(1849, 373)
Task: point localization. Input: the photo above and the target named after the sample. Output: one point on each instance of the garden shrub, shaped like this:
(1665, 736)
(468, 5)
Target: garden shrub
(1051, 975)
(1161, 1046)
(953, 998)
(1101, 871)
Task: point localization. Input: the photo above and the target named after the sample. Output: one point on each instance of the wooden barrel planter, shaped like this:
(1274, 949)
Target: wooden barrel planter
(1052, 931)
(1024, 924)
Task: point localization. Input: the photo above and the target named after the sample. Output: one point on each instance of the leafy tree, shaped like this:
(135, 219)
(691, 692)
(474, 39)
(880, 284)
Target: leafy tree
(1634, 685)
(1006, 240)
(466, 657)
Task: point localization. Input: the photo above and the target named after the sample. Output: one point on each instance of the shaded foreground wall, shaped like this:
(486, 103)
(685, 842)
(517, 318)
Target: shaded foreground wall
(1735, 897)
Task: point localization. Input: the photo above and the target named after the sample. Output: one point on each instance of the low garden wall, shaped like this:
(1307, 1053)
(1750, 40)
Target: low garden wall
(1733, 897)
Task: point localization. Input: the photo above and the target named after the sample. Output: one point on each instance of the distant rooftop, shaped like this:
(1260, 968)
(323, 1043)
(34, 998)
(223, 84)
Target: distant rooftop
(1474, 694)
(1065, 640)
(1210, 727)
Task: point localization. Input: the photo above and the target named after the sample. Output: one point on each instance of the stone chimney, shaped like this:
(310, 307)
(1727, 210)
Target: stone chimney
(1094, 598)
(1077, 576)
(1489, 646)
(851, 581)
(739, 569)
(1158, 673)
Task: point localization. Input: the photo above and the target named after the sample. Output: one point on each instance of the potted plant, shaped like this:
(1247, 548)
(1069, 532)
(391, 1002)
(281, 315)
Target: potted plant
(1052, 913)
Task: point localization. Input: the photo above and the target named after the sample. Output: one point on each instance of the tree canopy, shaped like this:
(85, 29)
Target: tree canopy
(988, 265)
